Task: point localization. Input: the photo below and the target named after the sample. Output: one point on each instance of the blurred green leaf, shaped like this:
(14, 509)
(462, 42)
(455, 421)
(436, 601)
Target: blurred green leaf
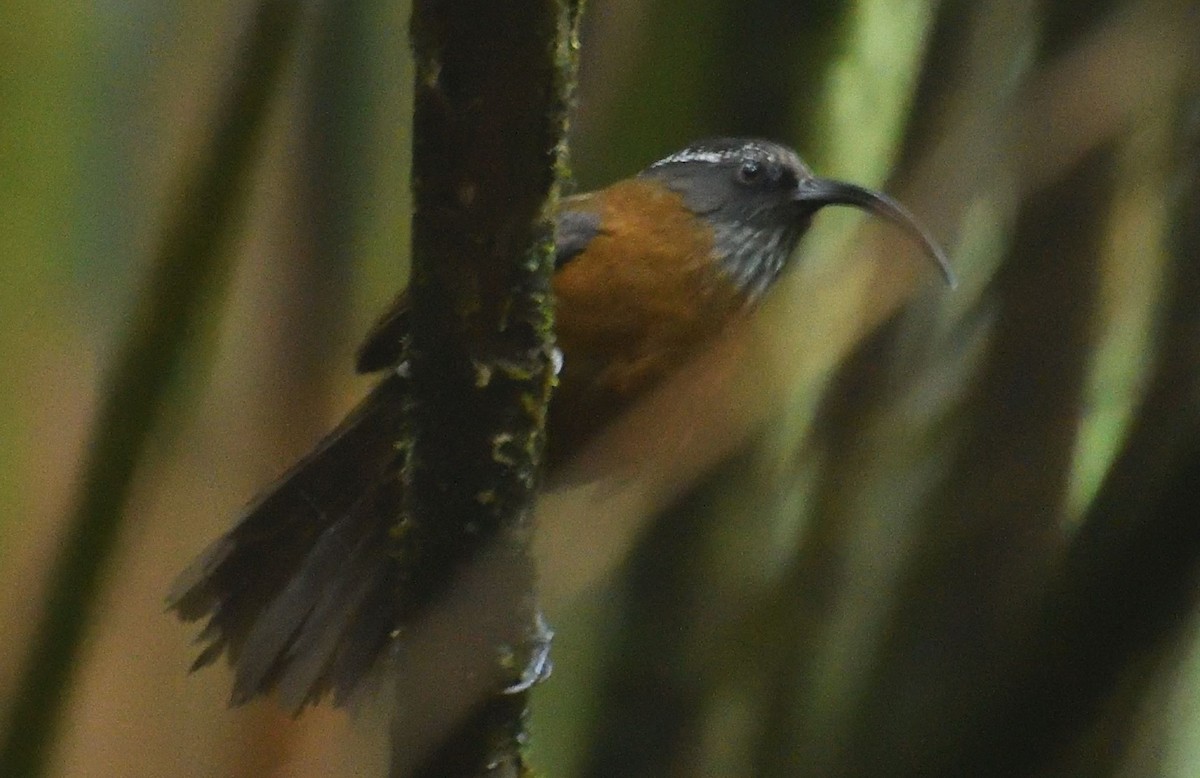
(192, 261)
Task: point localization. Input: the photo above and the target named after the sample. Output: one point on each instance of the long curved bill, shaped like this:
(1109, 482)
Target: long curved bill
(824, 191)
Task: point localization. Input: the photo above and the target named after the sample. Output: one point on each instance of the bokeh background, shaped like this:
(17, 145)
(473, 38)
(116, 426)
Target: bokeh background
(894, 530)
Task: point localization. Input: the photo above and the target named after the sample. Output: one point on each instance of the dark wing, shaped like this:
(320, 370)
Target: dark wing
(299, 593)
(385, 341)
(574, 230)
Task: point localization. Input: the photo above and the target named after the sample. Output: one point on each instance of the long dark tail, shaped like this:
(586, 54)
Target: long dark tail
(301, 593)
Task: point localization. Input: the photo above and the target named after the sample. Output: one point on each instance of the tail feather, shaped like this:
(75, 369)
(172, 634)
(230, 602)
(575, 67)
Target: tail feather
(340, 625)
(298, 594)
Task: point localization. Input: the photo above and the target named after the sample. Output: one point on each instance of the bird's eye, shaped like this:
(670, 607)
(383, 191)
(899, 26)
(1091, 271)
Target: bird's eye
(751, 172)
(760, 173)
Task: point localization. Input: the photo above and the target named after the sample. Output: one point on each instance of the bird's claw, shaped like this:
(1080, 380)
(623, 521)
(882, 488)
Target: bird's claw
(539, 666)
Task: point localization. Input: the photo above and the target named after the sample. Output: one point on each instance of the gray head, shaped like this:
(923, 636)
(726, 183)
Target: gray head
(759, 198)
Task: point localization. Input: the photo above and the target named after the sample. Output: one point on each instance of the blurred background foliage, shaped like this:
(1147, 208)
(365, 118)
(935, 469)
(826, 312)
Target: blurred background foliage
(906, 532)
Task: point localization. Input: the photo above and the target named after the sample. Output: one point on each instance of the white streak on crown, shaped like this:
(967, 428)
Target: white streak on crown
(714, 156)
(695, 155)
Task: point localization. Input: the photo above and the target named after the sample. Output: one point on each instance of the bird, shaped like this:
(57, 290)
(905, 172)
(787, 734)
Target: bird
(302, 594)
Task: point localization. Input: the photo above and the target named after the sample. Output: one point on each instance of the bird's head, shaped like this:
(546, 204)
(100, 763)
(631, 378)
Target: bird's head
(759, 198)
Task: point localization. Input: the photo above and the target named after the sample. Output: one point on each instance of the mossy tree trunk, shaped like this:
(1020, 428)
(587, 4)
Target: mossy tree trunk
(491, 95)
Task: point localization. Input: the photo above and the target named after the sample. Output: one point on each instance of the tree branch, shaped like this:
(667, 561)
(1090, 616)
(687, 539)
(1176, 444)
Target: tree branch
(493, 84)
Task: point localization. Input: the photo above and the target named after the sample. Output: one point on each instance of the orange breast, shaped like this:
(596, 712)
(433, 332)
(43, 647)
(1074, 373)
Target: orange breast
(644, 297)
